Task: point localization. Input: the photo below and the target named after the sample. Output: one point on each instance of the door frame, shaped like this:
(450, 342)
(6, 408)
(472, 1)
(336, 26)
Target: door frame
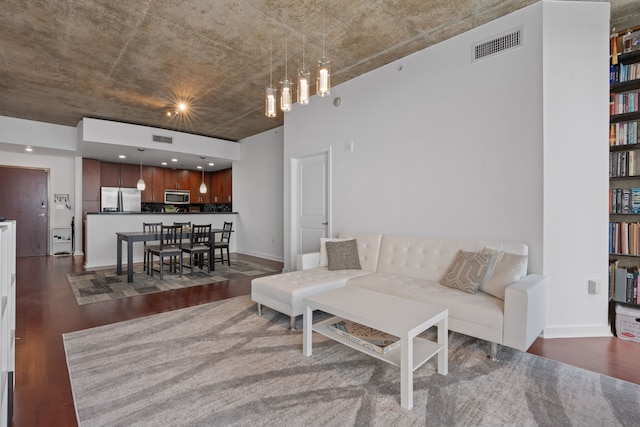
(294, 162)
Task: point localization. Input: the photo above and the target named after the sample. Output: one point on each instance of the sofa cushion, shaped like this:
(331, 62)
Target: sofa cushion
(466, 271)
(482, 310)
(509, 268)
(343, 255)
(324, 260)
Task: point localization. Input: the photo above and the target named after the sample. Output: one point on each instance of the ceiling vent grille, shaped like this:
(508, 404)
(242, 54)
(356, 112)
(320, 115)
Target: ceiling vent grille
(164, 139)
(499, 44)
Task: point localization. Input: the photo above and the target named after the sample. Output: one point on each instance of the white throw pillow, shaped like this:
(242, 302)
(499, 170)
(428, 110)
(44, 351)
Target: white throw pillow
(324, 260)
(508, 269)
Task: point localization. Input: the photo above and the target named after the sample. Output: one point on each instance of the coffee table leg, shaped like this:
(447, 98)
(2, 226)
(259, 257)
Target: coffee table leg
(406, 372)
(443, 355)
(307, 321)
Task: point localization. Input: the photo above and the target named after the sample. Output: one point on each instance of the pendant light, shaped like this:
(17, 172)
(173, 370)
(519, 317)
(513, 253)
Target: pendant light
(303, 81)
(285, 84)
(141, 184)
(270, 100)
(323, 82)
(203, 186)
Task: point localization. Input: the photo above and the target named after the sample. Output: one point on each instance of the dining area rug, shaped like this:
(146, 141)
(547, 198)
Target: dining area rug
(105, 285)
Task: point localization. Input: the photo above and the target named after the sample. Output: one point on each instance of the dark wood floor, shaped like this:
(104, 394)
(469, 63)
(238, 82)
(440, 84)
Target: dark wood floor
(46, 309)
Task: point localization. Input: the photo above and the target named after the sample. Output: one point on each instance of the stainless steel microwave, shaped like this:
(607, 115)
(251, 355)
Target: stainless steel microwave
(177, 197)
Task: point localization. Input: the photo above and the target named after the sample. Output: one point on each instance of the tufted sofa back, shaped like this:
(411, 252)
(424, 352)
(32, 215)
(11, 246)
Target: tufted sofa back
(429, 258)
(368, 248)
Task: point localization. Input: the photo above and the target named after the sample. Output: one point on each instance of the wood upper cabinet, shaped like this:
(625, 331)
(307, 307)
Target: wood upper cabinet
(196, 180)
(119, 175)
(129, 175)
(91, 180)
(221, 186)
(175, 179)
(154, 184)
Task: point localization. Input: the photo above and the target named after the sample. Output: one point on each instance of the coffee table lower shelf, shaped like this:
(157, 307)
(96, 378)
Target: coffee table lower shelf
(423, 349)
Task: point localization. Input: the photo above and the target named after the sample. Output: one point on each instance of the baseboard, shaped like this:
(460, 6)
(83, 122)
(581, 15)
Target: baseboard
(581, 331)
(262, 255)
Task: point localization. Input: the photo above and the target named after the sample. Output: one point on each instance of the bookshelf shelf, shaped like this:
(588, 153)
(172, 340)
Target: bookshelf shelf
(624, 180)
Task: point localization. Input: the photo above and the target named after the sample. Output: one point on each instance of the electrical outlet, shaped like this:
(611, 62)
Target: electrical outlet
(594, 286)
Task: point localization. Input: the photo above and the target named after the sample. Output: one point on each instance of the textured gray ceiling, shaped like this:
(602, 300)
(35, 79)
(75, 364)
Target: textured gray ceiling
(131, 60)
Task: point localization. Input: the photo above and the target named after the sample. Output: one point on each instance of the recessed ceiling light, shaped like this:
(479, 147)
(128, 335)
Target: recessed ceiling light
(198, 167)
(29, 149)
(174, 160)
(122, 156)
(182, 107)
(164, 163)
(211, 164)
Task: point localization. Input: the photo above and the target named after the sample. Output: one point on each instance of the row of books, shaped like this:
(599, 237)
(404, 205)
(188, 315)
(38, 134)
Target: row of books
(620, 103)
(624, 201)
(624, 163)
(624, 133)
(624, 238)
(623, 72)
(624, 283)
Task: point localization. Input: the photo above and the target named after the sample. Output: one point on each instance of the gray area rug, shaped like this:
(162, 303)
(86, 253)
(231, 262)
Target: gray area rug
(220, 364)
(105, 285)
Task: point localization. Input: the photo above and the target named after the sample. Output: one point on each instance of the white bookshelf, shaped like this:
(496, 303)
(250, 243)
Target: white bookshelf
(7, 319)
(60, 241)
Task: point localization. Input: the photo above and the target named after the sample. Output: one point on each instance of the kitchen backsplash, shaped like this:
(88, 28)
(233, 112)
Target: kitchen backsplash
(161, 207)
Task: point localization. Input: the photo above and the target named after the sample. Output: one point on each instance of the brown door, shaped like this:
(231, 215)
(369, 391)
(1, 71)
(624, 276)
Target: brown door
(24, 197)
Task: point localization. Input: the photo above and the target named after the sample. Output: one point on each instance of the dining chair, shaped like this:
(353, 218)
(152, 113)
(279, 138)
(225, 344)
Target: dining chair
(149, 227)
(223, 243)
(198, 246)
(170, 247)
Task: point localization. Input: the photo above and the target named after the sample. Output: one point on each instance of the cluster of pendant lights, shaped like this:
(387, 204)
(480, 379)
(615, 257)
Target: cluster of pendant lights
(141, 185)
(323, 82)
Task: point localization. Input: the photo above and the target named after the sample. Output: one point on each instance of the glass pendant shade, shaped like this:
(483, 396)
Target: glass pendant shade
(285, 95)
(141, 185)
(270, 102)
(323, 82)
(303, 87)
(203, 186)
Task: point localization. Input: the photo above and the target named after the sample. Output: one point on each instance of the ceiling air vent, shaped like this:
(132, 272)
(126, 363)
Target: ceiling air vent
(505, 42)
(164, 139)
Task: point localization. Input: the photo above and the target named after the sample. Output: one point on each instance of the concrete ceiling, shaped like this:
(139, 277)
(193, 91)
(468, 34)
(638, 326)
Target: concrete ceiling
(131, 61)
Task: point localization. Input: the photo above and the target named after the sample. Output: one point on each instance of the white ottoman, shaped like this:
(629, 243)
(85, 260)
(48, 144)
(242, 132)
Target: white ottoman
(284, 292)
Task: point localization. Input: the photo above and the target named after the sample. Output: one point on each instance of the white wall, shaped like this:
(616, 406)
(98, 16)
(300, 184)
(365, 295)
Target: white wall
(447, 147)
(257, 195)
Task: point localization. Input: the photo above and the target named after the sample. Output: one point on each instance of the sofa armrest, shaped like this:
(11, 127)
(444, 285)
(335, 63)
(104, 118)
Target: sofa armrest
(524, 311)
(307, 261)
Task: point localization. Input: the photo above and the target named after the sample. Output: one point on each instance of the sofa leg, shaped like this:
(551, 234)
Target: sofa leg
(259, 309)
(493, 351)
(292, 323)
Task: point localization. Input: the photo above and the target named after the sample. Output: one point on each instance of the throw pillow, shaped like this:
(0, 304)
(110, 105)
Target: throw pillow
(323, 261)
(495, 257)
(509, 268)
(466, 271)
(343, 255)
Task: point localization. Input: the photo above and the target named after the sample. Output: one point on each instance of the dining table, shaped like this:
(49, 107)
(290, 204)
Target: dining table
(132, 237)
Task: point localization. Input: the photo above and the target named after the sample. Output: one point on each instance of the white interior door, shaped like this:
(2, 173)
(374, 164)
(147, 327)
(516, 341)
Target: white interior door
(312, 202)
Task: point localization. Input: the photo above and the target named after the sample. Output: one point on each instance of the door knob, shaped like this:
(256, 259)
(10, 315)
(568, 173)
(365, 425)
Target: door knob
(325, 223)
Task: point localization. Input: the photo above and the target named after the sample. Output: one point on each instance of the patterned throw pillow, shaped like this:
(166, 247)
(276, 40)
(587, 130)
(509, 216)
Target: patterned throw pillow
(466, 271)
(343, 255)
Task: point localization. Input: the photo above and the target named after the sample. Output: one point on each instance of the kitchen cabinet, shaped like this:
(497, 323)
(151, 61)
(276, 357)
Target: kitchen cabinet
(119, 175)
(175, 179)
(196, 180)
(154, 184)
(221, 186)
(91, 180)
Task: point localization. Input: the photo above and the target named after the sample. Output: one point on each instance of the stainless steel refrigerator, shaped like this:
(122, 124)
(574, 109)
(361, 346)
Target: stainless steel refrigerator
(114, 199)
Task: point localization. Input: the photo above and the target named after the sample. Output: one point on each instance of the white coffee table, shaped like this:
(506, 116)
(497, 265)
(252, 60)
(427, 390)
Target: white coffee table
(401, 317)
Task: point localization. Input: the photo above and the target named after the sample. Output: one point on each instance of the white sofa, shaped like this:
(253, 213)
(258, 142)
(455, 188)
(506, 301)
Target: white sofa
(412, 267)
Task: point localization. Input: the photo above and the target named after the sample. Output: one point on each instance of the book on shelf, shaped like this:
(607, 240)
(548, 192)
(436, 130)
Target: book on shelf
(367, 337)
(624, 283)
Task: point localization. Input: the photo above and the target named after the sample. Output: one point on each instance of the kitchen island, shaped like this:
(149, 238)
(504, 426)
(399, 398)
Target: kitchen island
(101, 228)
